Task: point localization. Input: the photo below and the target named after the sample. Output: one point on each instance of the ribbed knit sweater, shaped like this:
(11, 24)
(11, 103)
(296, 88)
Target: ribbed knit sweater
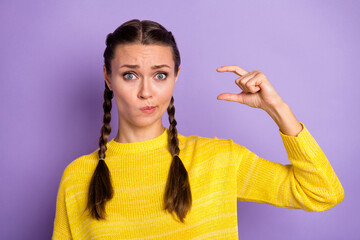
(221, 172)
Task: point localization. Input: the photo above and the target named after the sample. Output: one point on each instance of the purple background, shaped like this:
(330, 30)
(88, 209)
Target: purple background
(52, 86)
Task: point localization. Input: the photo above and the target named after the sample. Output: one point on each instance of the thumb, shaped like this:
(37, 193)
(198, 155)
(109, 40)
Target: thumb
(240, 98)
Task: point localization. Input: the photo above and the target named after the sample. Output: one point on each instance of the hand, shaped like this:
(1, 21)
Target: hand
(257, 90)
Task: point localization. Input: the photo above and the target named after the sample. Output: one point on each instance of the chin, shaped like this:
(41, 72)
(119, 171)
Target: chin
(144, 123)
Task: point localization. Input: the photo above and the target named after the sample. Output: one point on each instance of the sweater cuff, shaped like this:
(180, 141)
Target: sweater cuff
(300, 145)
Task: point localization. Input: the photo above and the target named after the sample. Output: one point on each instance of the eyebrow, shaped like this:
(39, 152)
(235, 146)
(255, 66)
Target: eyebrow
(137, 66)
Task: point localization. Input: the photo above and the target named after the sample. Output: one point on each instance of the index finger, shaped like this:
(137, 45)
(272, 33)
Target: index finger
(232, 68)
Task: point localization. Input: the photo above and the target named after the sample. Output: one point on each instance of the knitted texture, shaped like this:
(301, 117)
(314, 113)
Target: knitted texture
(221, 172)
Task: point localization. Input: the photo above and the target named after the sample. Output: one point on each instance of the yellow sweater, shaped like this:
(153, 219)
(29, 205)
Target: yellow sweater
(220, 173)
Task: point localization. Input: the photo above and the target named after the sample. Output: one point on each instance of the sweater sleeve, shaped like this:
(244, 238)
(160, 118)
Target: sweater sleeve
(61, 230)
(309, 183)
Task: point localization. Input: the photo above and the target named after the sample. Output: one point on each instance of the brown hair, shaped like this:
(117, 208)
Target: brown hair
(177, 195)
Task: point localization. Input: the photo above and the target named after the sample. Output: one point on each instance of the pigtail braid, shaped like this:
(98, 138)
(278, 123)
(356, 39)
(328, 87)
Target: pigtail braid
(100, 188)
(177, 195)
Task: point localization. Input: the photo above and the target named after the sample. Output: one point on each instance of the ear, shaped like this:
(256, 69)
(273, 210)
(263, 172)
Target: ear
(107, 80)
(177, 74)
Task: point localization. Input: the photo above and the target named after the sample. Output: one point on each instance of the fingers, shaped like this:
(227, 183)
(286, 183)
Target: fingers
(241, 82)
(232, 68)
(232, 97)
(249, 82)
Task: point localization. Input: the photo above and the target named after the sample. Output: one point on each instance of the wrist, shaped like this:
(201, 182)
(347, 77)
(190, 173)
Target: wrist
(285, 119)
(275, 107)
(278, 111)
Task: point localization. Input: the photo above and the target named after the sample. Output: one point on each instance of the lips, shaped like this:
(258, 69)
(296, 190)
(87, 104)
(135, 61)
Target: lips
(147, 108)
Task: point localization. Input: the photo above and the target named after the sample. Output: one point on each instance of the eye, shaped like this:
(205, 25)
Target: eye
(128, 74)
(163, 74)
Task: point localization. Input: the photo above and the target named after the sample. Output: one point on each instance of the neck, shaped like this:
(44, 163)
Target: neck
(128, 134)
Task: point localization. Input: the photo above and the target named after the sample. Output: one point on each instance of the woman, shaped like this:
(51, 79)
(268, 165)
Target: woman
(148, 180)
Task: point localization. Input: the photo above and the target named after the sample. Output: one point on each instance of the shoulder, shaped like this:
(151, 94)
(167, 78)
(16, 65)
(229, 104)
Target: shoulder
(214, 143)
(79, 167)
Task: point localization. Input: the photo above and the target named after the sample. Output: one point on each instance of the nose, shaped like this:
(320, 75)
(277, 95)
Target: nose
(145, 89)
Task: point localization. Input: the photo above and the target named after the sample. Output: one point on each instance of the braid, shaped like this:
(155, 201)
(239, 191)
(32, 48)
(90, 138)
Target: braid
(177, 195)
(100, 188)
(174, 142)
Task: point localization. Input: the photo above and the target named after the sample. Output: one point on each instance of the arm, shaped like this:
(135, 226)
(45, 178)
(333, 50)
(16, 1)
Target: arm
(309, 183)
(61, 230)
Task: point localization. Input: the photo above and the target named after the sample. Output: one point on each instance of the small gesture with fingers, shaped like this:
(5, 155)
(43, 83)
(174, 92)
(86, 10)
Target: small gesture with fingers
(257, 91)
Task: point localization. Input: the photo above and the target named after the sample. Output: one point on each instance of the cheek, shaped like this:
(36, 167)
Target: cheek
(165, 96)
(167, 92)
(123, 98)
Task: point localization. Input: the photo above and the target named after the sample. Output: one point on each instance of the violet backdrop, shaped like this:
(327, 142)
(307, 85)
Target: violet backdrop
(52, 86)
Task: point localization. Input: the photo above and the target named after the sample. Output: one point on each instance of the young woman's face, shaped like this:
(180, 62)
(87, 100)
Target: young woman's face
(141, 76)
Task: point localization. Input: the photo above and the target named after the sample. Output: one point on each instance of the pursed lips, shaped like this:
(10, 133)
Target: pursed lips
(147, 107)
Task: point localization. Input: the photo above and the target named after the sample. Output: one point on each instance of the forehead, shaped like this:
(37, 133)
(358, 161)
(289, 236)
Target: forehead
(143, 54)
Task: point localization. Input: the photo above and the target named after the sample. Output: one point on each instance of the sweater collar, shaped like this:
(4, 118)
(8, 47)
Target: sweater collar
(150, 144)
